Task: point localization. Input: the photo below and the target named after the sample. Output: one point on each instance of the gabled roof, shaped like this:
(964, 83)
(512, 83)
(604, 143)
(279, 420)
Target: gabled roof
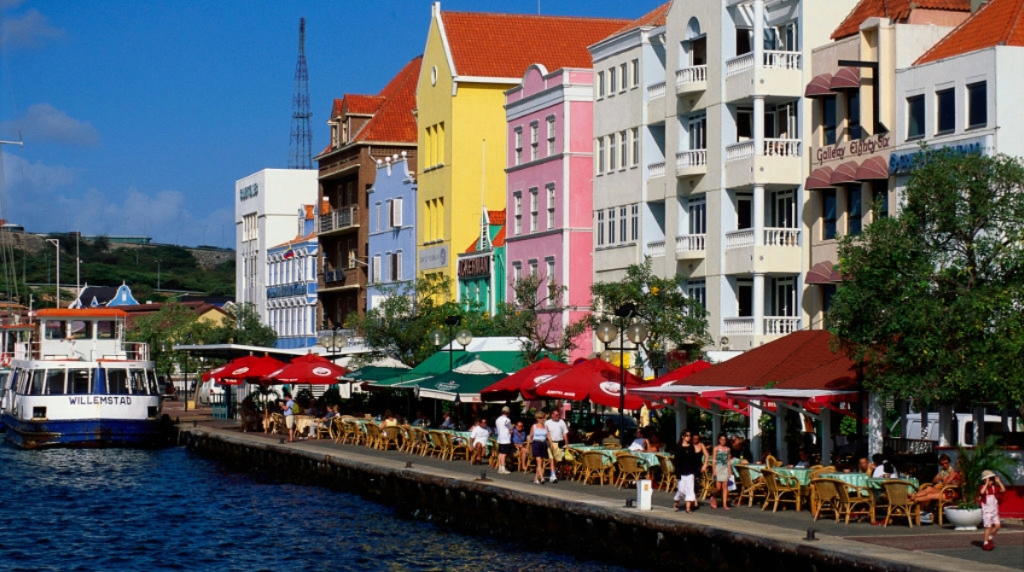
(503, 45)
(359, 104)
(996, 23)
(654, 18)
(898, 10)
(393, 120)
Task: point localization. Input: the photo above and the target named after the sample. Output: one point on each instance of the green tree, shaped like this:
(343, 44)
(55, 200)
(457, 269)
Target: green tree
(931, 299)
(673, 320)
(174, 324)
(244, 327)
(536, 317)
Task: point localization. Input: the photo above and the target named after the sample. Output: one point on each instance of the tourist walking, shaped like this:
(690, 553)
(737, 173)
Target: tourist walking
(991, 489)
(722, 455)
(556, 432)
(687, 460)
(540, 445)
(521, 445)
(289, 416)
(503, 427)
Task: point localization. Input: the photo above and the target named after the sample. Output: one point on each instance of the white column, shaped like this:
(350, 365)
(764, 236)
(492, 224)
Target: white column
(876, 423)
(716, 423)
(758, 304)
(681, 416)
(781, 428)
(945, 425)
(825, 418)
(758, 123)
(904, 408)
(979, 425)
(755, 431)
(758, 211)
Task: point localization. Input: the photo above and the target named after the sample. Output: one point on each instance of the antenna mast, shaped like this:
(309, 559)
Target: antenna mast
(301, 153)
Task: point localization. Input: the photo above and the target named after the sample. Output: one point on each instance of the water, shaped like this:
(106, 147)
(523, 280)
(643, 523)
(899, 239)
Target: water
(118, 509)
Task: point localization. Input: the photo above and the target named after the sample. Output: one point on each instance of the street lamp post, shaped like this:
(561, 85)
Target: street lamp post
(637, 333)
(56, 243)
(437, 339)
(333, 342)
(188, 340)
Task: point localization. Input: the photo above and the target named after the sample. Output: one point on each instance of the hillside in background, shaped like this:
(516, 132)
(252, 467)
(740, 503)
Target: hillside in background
(145, 268)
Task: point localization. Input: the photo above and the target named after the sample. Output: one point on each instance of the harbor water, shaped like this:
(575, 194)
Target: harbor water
(122, 509)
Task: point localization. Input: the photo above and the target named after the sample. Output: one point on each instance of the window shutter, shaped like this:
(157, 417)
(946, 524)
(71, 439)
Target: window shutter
(396, 212)
(396, 266)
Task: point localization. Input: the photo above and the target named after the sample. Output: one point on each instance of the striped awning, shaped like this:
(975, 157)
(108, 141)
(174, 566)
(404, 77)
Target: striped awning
(845, 78)
(820, 178)
(873, 169)
(845, 173)
(819, 86)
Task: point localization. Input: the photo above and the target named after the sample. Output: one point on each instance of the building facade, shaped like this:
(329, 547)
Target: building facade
(550, 193)
(482, 267)
(392, 246)
(291, 285)
(364, 128)
(265, 205)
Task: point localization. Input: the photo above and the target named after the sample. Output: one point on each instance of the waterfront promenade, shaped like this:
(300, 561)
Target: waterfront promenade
(839, 546)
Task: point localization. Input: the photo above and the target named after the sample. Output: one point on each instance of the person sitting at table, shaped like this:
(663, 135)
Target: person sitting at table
(573, 437)
(805, 461)
(653, 441)
(865, 466)
(947, 476)
(446, 421)
(741, 451)
(478, 440)
(519, 442)
(421, 420)
(639, 442)
(596, 436)
(389, 419)
(883, 468)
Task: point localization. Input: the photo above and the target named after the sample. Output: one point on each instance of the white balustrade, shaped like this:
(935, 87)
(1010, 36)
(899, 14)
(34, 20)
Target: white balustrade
(656, 170)
(781, 236)
(778, 60)
(737, 151)
(695, 158)
(782, 147)
(690, 243)
(738, 326)
(780, 325)
(656, 90)
(739, 64)
(739, 238)
(656, 248)
(692, 74)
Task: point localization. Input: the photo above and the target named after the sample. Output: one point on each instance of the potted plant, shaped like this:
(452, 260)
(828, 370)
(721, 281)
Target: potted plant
(971, 462)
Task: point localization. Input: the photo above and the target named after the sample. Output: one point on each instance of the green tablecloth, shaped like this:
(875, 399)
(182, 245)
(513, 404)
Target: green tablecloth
(647, 459)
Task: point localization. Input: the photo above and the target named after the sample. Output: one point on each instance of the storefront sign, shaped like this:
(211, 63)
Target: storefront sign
(477, 266)
(903, 163)
(858, 148)
(249, 192)
(436, 257)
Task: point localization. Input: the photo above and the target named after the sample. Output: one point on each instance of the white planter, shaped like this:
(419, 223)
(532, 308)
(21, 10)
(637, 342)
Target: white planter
(962, 519)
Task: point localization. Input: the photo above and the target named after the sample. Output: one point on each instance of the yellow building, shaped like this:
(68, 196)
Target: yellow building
(470, 60)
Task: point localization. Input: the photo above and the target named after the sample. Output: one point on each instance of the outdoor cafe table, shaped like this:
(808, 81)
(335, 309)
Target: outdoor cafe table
(647, 459)
(803, 476)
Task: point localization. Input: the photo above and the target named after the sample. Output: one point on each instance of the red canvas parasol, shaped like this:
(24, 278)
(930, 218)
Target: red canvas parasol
(308, 369)
(680, 373)
(246, 368)
(596, 380)
(523, 381)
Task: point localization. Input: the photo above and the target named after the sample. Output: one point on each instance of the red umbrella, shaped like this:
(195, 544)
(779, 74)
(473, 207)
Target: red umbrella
(246, 368)
(308, 369)
(677, 374)
(596, 380)
(523, 381)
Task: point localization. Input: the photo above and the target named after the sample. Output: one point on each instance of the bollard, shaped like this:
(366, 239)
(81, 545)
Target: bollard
(810, 535)
(408, 464)
(630, 502)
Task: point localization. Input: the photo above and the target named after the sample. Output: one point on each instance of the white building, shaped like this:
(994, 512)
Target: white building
(265, 207)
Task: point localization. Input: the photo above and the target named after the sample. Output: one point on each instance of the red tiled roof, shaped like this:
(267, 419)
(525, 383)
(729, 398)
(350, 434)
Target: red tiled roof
(898, 10)
(654, 18)
(394, 121)
(499, 239)
(336, 107)
(504, 45)
(996, 23)
(362, 104)
(786, 359)
(496, 217)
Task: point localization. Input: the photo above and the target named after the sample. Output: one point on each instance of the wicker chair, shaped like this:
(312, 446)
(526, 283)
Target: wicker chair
(750, 486)
(373, 436)
(360, 433)
(705, 483)
(949, 495)
(492, 458)
(594, 467)
(277, 425)
(436, 445)
(457, 450)
(390, 438)
(668, 482)
(771, 462)
(899, 504)
(323, 429)
(780, 487)
(825, 496)
(851, 498)
(629, 469)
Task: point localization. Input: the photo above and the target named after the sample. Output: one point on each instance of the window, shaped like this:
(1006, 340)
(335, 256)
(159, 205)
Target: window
(79, 330)
(378, 226)
(551, 280)
(745, 298)
(611, 226)
(396, 212)
(533, 268)
(533, 141)
(600, 84)
(54, 329)
(828, 214)
(623, 150)
(104, 330)
(854, 129)
(635, 223)
(533, 209)
(551, 136)
(915, 117)
(853, 209)
(517, 271)
(635, 136)
(828, 119)
(977, 105)
(696, 129)
(622, 224)
(600, 155)
(518, 200)
(945, 102)
(880, 197)
(612, 155)
(698, 215)
(375, 269)
(622, 74)
(519, 146)
(551, 207)
(744, 41)
(744, 124)
(636, 72)
(600, 228)
(696, 290)
(612, 80)
(396, 266)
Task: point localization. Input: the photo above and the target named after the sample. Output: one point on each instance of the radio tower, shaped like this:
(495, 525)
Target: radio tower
(301, 153)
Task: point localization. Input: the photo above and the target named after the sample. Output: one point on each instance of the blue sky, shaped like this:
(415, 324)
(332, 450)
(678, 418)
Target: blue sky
(138, 116)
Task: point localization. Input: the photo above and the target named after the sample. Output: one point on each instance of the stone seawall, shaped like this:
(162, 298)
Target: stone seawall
(596, 530)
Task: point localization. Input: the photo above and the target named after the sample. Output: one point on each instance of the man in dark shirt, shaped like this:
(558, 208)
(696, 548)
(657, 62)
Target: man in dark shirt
(740, 450)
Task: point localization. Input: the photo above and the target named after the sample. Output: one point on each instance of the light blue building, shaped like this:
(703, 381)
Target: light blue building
(392, 245)
(291, 285)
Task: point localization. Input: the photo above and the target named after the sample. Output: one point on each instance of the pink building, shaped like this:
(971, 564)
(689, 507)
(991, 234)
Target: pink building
(549, 176)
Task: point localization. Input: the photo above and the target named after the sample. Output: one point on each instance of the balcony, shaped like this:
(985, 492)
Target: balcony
(776, 250)
(739, 238)
(341, 219)
(738, 326)
(655, 90)
(689, 163)
(779, 74)
(778, 162)
(337, 279)
(655, 170)
(690, 246)
(656, 248)
(780, 325)
(691, 79)
(737, 151)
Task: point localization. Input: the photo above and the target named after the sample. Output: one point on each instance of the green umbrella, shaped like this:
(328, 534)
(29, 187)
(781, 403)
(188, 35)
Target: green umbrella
(437, 364)
(464, 382)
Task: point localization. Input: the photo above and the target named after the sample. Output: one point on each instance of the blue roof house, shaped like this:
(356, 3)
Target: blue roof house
(392, 244)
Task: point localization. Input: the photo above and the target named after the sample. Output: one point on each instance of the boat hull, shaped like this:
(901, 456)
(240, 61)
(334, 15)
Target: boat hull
(41, 433)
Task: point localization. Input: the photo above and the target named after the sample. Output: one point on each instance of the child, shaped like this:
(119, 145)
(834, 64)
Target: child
(990, 506)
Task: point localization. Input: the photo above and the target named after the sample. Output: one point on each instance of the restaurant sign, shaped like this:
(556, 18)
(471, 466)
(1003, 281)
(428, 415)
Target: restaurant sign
(476, 266)
(436, 257)
(849, 149)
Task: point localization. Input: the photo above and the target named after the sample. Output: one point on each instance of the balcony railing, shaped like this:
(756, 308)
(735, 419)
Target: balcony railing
(656, 248)
(695, 158)
(656, 170)
(656, 90)
(344, 217)
(738, 326)
(739, 238)
(737, 151)
(782, 237)
(779, 60)
(332, 276)
(780, 325)
(739, 64)
(692, 74)
(690, 243)
(782, 147)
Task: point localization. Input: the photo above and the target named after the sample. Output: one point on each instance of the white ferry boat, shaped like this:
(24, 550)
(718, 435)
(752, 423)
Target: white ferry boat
(75, 382)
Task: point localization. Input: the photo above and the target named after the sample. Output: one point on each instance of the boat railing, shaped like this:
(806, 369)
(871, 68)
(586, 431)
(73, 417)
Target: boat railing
(71, 350)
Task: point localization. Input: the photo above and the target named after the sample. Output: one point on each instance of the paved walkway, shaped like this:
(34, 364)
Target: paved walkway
(928, 546)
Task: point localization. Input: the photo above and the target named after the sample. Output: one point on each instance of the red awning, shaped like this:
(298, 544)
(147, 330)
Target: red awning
(821, 178)
(819, 86)
(812, 396)
(846, 78)
(845, 173)
(873, 169)
(823, 273)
